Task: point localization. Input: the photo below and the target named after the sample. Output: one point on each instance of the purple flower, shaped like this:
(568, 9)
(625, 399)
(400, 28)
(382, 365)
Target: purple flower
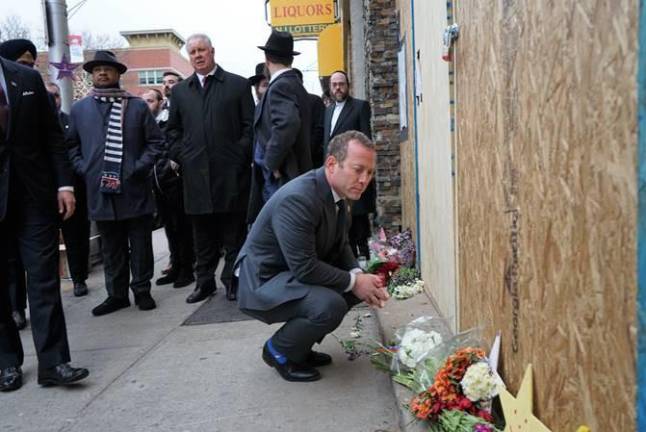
(482, 428)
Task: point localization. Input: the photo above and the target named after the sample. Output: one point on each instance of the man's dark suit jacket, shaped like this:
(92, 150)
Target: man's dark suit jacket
(209, 132)
(318, 128)
(355, 115)
(293, 245)
(33, 148)
(283, 125)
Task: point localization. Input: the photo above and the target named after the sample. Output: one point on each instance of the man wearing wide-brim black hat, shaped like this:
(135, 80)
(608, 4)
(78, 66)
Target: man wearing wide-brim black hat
(259, 81)
(114, 141)
(282, 125)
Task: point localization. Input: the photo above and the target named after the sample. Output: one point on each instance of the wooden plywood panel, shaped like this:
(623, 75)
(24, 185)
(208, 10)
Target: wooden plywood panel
(435, 177)
(546, 151)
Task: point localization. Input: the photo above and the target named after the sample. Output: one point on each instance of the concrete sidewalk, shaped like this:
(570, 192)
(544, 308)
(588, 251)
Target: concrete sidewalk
(148, 373)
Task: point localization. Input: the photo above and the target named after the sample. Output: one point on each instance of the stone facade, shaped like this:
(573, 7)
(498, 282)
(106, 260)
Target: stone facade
(382, 44)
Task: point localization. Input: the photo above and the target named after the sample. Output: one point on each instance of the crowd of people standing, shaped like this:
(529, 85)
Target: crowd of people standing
(209, 161)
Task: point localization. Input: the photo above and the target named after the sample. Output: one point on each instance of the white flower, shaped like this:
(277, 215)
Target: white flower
(402, 292)
(355, 334)
(415, 344)
(479, 382)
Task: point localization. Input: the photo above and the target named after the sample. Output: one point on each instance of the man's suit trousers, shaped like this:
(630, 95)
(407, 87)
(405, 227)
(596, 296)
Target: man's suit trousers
(76, 234)
(307, 320)
(177, 225)
(211, 233)
(127, 247)
(16, 280)
(35, 230)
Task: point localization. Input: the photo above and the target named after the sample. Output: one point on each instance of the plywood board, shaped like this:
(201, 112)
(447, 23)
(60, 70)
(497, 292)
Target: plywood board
(546, 151)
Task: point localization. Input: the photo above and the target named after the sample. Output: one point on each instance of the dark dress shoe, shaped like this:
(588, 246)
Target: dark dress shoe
(318, 359)
(170, 277)
(80, 289)
(19, 319)
(289, 370)
(200, 293)
(111, 304)
(10, 379)
(145, 301)
(184, 280)
(63, 374)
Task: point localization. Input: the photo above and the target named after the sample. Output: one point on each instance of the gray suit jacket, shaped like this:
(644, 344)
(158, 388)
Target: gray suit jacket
(293, 245)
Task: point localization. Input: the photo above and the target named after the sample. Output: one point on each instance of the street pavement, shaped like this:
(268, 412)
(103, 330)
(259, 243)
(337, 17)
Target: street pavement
(150, 373)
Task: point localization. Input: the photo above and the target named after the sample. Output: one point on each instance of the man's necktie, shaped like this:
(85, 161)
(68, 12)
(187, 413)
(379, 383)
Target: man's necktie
(4, 111)
(340, 217)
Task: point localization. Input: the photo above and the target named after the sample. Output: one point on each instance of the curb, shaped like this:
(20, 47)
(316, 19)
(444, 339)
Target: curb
(396, 314)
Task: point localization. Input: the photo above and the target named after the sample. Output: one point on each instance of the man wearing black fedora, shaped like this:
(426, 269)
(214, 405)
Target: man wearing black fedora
(259, 81)
(282, 125)
(114, 141)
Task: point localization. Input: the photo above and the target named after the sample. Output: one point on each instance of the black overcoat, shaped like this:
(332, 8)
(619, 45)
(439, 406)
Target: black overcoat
(283, 125)
(142, 143)
(209, 132)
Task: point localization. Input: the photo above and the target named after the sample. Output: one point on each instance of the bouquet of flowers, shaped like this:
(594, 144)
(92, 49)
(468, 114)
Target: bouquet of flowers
(405, 283)
(399, 248)
(408, 359)
(460, 395)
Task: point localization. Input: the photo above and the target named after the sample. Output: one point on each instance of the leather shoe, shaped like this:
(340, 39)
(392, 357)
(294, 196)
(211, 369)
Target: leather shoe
(170, 277)
(80, 289)
(111, 304)
(145, 301)
(63, 374)
(289, 370)
(318, 359)
(19, 319)
(10, 378)
(184, 280)
(200, 293)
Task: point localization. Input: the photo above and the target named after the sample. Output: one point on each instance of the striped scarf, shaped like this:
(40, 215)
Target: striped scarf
(113, 153)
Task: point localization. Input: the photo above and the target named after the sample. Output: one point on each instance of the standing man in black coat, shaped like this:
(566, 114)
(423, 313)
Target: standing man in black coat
(114, 141)
(209, 131)
(22, 51)
(282, 125)
(169, 197)
(35, 182)
(76, 229)
(348, 113)
(318, 117)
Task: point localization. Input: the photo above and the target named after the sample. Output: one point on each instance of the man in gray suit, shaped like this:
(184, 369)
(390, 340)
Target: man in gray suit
(296, 265)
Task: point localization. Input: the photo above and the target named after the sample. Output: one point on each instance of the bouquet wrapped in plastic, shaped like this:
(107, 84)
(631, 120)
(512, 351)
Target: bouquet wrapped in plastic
(449, 374)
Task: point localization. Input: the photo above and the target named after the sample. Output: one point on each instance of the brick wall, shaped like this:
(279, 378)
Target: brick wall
(382, 43)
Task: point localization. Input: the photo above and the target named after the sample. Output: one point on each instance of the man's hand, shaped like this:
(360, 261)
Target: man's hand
(370, 288)
(66, 204)
(277, 174)
(174, 166)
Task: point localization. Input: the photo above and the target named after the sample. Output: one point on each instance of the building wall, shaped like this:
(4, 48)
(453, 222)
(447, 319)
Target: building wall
(382, 40)
(546, 157)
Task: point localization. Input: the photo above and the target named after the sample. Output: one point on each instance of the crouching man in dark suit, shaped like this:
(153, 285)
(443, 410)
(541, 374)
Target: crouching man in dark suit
(296, 265)
(35, 182)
